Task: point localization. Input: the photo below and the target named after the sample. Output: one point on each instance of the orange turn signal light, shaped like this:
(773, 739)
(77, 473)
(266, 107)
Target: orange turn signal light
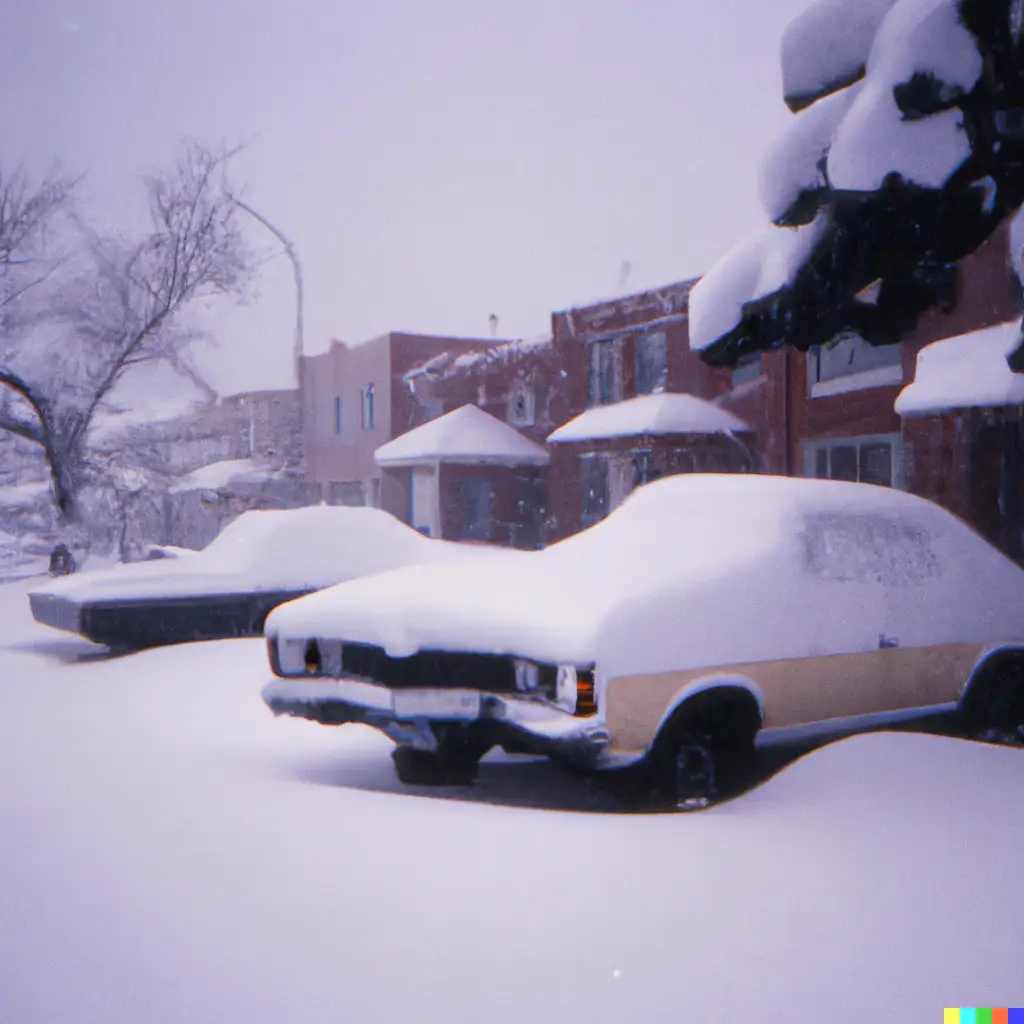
(586, 699)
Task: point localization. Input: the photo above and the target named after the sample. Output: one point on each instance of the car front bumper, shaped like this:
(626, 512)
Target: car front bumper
(503, 718)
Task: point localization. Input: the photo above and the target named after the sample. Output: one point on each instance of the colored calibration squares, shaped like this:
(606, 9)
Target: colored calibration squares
(982, 1015)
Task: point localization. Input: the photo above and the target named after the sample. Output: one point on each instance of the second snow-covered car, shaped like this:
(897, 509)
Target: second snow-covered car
(707, 613)
(258, 561)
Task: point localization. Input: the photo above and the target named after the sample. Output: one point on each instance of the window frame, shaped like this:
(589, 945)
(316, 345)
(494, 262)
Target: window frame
(642, 343)
(749, 368)
(898, 458)
(594, 381)
(367, 403)
(884, 375)
(526, 392)
(588, 514)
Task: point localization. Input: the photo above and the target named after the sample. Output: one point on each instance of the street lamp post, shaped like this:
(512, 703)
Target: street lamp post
(297, 354)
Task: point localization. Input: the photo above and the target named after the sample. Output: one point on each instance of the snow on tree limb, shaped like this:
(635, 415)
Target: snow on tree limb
(915, 166)
(826, 48)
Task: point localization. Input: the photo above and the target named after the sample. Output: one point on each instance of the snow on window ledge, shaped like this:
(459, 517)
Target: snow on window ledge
(878, 377)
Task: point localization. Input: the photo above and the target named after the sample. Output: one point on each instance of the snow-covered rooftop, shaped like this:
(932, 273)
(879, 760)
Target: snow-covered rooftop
(220, 474)
(650, 414)
(964, 372)
(108, 427)
(465, 435)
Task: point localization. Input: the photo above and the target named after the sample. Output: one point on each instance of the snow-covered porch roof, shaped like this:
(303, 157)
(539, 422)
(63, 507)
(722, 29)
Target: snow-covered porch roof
(468, 436)
(965, 372)
(227, 473)
(650, 415)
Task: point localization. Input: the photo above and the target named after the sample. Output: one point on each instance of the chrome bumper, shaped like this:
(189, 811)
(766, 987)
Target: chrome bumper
(532, 723)
(58, 612)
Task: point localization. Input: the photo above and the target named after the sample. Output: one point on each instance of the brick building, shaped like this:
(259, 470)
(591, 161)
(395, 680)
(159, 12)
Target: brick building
(829, 412)
(596, 356)
(356, 398)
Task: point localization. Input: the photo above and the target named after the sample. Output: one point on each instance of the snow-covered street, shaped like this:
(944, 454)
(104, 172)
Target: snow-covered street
(171, 853)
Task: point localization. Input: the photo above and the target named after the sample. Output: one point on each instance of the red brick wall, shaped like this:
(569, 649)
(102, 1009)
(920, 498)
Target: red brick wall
(411, 350)
(938, 469)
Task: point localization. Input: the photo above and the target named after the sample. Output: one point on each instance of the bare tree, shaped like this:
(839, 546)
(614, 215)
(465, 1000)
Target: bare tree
(28, 212)
(120, 309)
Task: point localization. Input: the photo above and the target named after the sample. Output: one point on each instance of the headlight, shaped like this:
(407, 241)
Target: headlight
(574, 690)
(565, 688)
(527, 675)
(293, 655)
(311, 659)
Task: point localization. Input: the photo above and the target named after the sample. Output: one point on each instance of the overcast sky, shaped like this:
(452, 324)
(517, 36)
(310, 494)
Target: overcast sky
(434, 162)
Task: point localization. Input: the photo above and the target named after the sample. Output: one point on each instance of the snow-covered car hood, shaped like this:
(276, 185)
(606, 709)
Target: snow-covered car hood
(513, 604)
(553, 606)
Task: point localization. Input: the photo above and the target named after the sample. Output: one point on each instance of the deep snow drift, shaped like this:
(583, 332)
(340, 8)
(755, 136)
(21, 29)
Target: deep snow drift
(171, 853)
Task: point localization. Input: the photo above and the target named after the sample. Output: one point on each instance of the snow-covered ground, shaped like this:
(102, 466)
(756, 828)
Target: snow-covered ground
(171, 853)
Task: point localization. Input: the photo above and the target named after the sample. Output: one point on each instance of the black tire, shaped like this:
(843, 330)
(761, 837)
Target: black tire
(994, 709)
(704, 755)
(441, 768)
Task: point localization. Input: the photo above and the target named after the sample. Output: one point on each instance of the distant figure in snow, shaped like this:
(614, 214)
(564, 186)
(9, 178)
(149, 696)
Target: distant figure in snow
(62, 562)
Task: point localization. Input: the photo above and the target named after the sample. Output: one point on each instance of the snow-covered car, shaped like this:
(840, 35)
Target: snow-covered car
(257, 562)
(707, 613)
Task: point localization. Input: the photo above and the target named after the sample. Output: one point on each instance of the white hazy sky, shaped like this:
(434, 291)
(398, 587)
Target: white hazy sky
(433, 162)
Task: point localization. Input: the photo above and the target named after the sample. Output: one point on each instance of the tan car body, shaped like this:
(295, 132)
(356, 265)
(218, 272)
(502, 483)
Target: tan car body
(802, 696)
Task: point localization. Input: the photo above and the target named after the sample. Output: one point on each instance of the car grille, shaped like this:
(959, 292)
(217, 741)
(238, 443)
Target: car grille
(491, 673)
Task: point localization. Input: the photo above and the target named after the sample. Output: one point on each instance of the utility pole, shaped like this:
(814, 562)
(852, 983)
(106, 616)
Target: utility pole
(297, 347)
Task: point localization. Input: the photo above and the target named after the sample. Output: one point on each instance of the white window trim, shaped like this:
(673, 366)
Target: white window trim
(529, 406)
(895, 441)
(368, 403)
(617, 370)
(877, 377)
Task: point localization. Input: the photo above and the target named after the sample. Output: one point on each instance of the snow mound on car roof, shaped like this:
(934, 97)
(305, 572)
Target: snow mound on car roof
(268, 550)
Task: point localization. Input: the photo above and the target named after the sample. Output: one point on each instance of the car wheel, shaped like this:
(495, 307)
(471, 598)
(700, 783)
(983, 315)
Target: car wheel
(994, 711)
(705, 755)
(428, 768)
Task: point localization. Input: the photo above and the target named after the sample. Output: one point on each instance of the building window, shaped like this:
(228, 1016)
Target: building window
(644, 467)
(747, 369)
(867, 460)
(368, 412)
(651, 363)
(347, 492)
(473, 501)
(593, 489)
(521, 405)
(337, 415)
(603, 374)
(849, 363)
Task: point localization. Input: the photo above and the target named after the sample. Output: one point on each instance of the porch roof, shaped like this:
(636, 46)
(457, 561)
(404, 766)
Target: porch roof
(964, 372)
(650, 415)
(467, 436)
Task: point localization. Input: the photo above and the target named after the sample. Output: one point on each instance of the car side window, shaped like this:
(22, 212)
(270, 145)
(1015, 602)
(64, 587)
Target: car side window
(867, 547)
